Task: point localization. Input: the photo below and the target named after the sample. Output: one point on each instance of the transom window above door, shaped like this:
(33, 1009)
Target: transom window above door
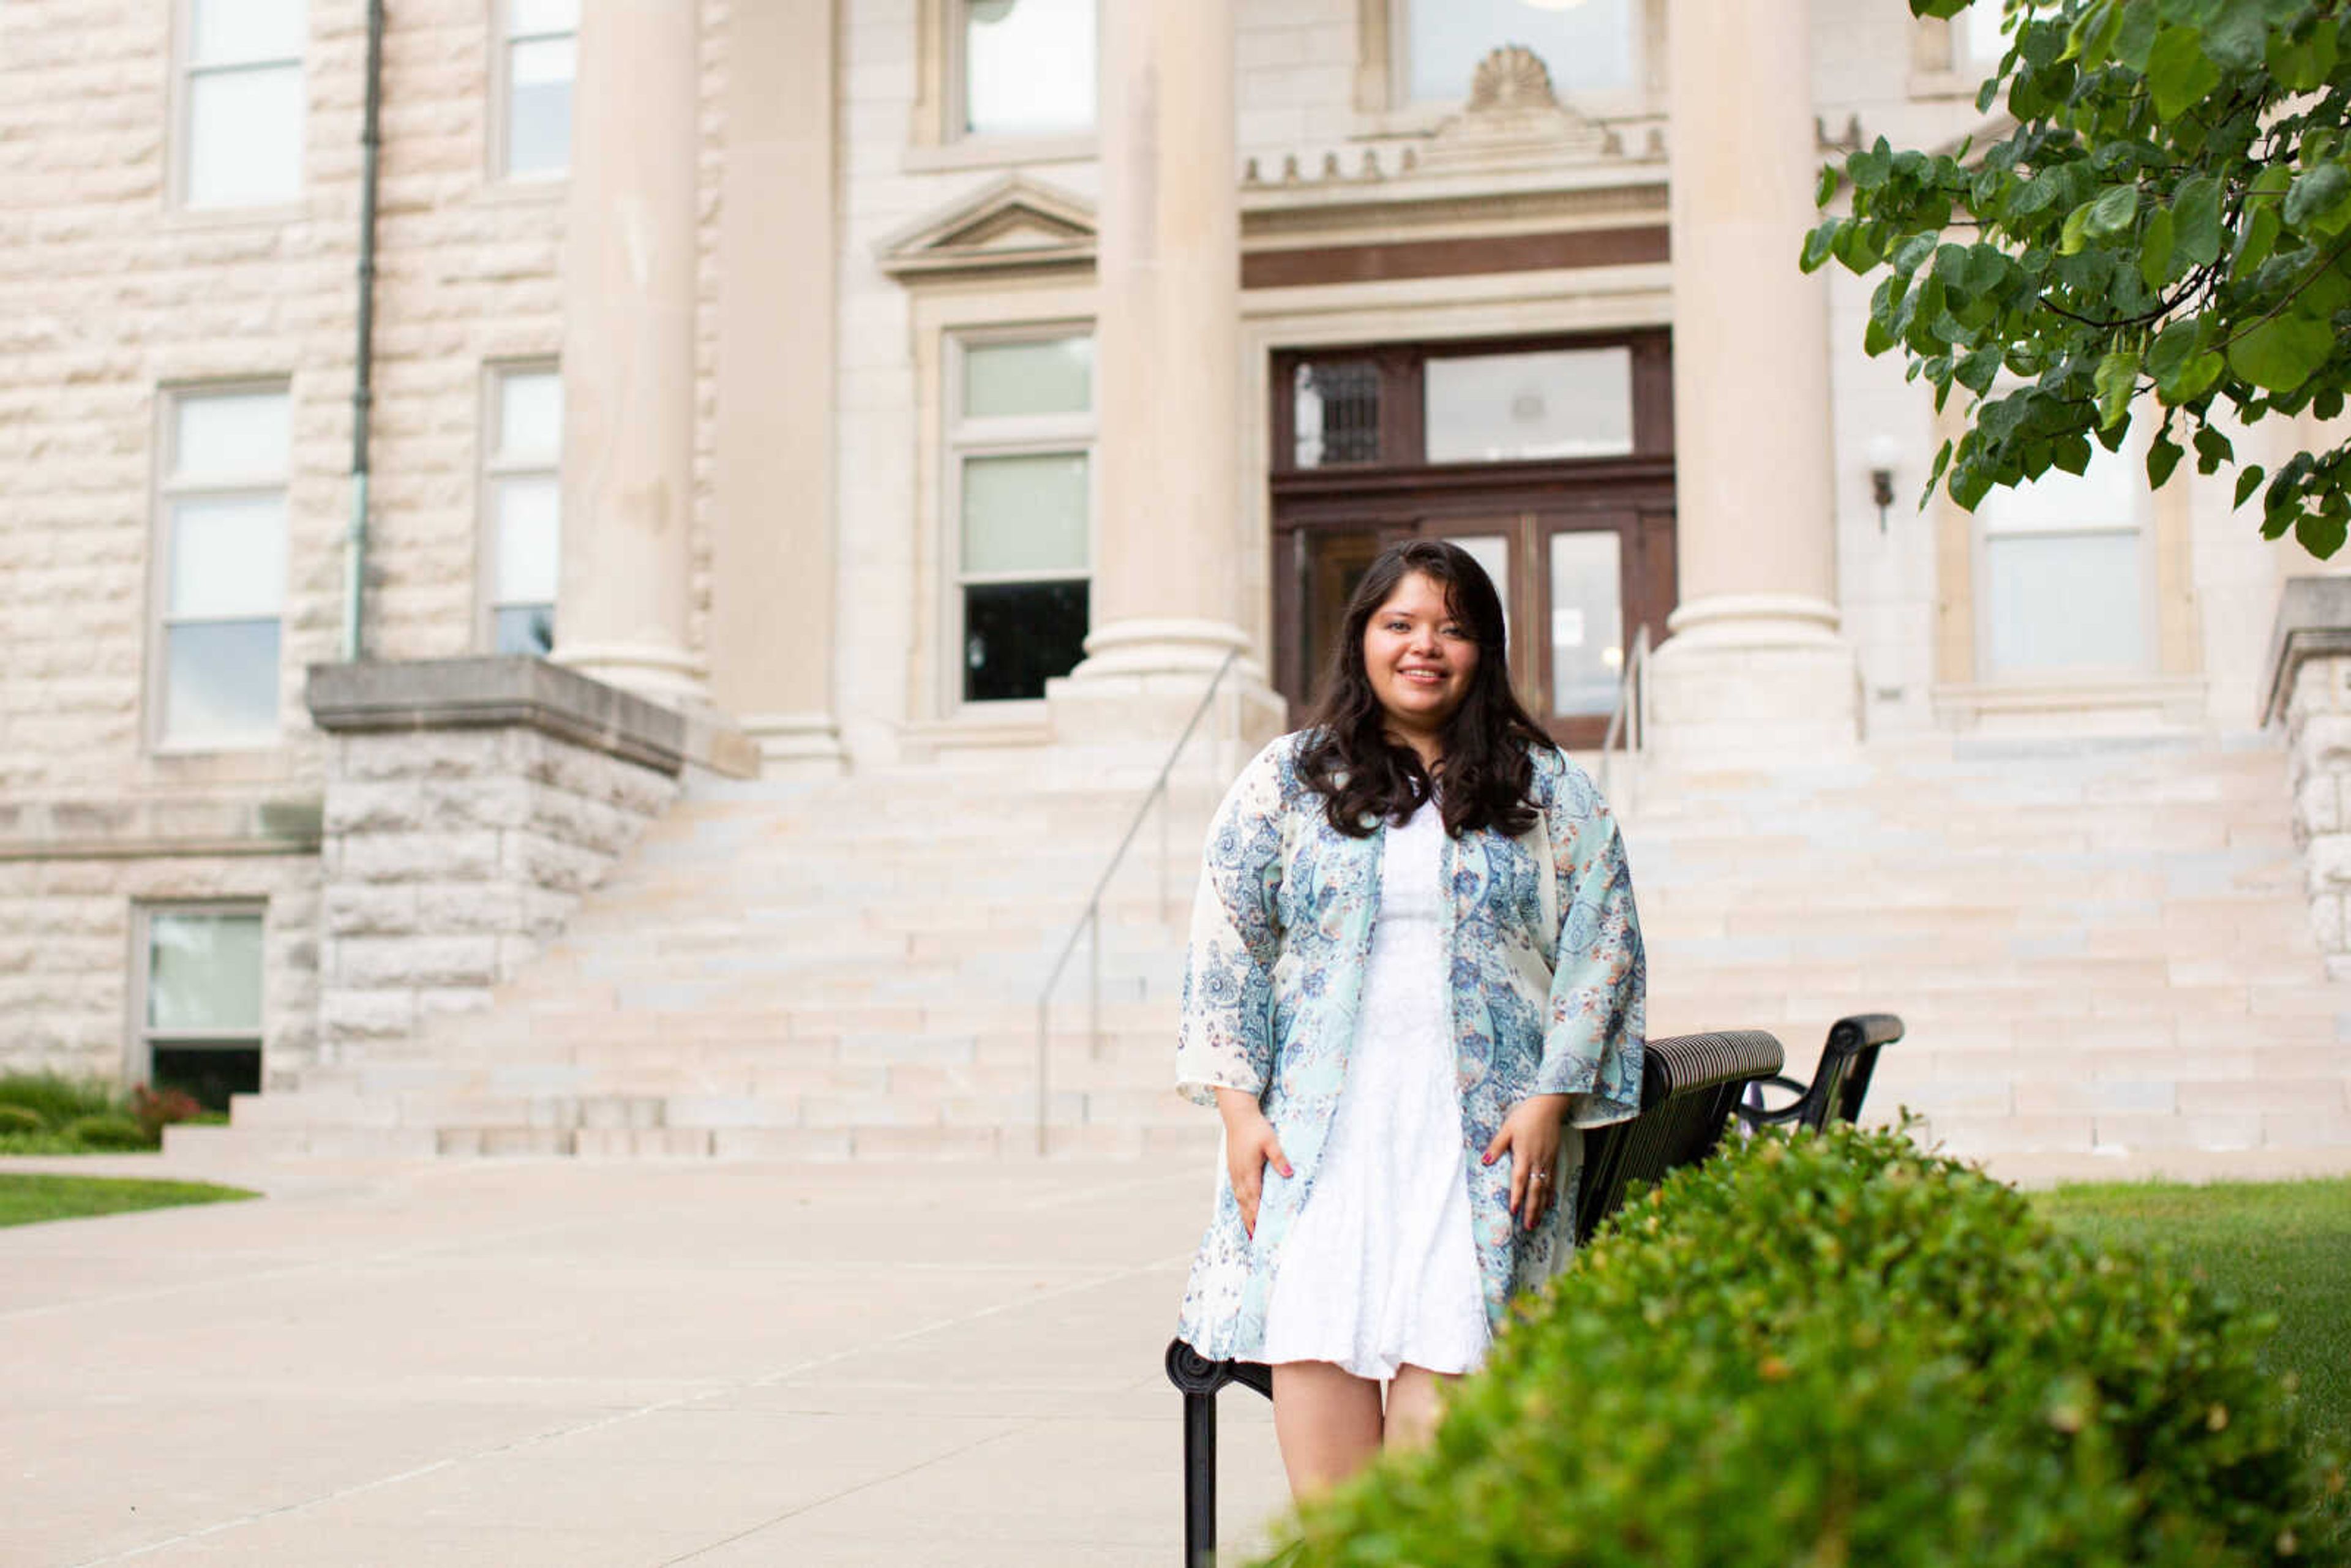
(1590, 46)
(1479, 403)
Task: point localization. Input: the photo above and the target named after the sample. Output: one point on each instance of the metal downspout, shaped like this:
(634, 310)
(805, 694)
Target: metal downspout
(363, 384)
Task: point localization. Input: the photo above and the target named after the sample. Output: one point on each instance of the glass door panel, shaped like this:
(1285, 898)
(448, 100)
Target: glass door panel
(1587, 621)
(1334, 564)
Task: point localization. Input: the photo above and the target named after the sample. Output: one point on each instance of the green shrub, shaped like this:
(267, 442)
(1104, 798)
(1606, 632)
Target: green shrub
(1833, 1350)
(19, 1119)
(107, 1131)
(57, 1100)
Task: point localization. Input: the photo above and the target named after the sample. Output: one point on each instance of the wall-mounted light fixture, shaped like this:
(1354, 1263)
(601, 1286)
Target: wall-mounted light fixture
(1882, 453)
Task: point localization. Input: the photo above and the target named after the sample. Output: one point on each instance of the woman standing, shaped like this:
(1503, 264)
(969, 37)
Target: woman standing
(1414, 966)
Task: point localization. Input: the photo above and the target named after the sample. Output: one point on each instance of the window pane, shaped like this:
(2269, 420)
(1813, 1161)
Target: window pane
(2104, 494)
(538, 106)
(1497, 408)
(204, 973)
(1025, 514)
(1028, 65)
(209, 1073)
(2066, 602)
(542, 17)
(245, 30)
(524, 629)
(529, 512)
(228, 558)
(1980, 41)
(1587, 46)
(1006, 379)
(530, 415)
(1019, 635)
(232, 435)
(1336, 407)
(220, 682)
(245, 137)
(1587, 622)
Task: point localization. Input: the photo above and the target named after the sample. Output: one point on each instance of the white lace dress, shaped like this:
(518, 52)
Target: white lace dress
(1379, 1269)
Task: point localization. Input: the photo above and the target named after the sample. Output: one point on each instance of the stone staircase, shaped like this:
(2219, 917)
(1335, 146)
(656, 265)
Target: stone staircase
(2102, 950)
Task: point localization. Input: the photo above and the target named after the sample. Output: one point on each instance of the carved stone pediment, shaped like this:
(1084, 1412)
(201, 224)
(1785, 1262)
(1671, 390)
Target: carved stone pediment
(1016, 225)
(1513, 118)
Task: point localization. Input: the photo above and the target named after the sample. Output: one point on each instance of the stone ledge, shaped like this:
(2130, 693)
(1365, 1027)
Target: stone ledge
(2313, 622)
(517, 689)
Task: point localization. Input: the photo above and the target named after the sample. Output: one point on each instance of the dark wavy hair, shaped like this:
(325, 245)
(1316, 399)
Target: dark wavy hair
(1363, 777)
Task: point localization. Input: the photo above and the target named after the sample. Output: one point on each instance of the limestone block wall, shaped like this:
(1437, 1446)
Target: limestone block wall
(449, 856)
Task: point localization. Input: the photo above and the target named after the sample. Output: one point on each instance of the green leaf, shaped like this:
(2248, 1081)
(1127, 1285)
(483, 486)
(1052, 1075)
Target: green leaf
(1869, 168)
(2198, 206)
(2239, 37)
(2116, 379)
(2111, 214)
(2247, 483)
(1825, 192)
(2163, 456)
(1819, 242)
(2212, 449)
(2155, 248)
(2322, 537)
(2137, 36)
(2171, 349)
(2178, 73)
(1935, 477)
(2281, 354)
(2076, 230)
(2256, 241)
(2317, 193)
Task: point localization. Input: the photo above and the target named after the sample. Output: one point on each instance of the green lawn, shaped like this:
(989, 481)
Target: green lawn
(25, 1198)
(2276, 1247)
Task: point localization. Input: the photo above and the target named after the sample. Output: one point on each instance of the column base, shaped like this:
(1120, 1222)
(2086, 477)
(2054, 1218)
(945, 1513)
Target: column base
(1123, 708)
(655, 670)
(1753, 678)
(795, 745)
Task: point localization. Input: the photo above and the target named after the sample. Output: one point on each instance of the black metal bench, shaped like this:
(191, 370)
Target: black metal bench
(1838, 1084)
(1690, 1087)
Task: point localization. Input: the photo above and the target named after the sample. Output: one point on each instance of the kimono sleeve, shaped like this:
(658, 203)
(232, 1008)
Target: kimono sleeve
(1592, 1035)
(1226, 1037)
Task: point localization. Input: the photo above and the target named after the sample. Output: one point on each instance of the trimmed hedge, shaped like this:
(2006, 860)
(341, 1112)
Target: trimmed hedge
(1836, 1349)
(19, 1119)
(108, 1132)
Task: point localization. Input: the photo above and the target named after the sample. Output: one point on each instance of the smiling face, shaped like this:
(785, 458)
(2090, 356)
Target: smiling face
(1419, 656)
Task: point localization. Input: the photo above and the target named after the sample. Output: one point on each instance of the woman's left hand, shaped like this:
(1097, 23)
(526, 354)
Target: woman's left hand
(1530, 1136)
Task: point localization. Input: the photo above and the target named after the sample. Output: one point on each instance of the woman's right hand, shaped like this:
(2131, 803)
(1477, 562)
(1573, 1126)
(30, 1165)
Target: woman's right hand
(1251, 1146)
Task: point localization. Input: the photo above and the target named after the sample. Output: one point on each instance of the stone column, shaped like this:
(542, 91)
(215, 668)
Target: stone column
(1166, 587)
(1755, 662)
(773, 558)
(628, 349)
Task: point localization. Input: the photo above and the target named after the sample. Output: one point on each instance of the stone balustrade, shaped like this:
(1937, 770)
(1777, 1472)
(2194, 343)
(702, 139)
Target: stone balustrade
(2310, 692)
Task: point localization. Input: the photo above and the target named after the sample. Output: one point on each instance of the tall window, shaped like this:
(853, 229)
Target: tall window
(538, 56)
(223, 568)
(1590, 46)
(523, 484)
(200, 978)
(1020, 474)
(1028, 67)
(241, 101)
(2066, 572)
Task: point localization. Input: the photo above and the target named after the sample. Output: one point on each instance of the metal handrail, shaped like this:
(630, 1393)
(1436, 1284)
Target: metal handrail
(1089, 922)
(1629, 718)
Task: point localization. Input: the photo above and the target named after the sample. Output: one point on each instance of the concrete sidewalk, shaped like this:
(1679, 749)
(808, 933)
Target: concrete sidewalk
(515, 1364)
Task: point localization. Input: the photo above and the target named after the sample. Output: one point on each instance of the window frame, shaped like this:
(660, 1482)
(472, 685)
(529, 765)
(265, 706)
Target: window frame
(496, 149)
(139, 1051)
(1039, 436)
(939, 137)
(164, 492)
(493, 466)
(182, 104)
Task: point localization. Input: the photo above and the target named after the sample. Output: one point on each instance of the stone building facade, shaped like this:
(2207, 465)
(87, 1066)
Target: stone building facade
(944, 382)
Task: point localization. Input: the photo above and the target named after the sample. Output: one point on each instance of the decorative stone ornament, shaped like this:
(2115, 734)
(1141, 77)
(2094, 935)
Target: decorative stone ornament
(1515, 117)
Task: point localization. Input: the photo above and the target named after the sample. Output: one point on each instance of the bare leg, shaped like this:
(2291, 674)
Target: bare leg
(1415, 1400)
(1327, 1421)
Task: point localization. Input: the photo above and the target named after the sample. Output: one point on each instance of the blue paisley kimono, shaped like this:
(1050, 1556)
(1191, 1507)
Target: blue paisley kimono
(1547, 987)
